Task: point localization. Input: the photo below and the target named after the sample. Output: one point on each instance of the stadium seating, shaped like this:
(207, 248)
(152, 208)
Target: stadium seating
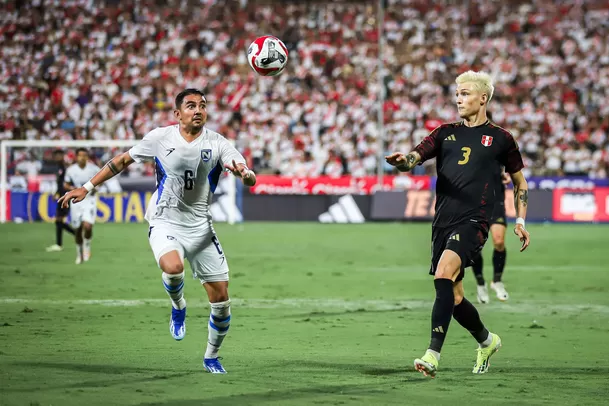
(81, 69)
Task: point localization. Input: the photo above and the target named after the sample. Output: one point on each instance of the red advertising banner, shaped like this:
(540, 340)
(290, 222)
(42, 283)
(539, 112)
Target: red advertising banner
(580, 205)
(326, 185)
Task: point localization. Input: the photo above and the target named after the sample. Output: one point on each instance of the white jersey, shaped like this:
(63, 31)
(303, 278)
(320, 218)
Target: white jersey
(78, 176)
(187, 173)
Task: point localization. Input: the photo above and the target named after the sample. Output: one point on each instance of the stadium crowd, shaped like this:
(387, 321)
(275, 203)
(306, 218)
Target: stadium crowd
(85, 69)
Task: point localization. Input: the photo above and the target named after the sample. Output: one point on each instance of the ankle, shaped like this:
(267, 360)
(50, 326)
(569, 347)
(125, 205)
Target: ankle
(436, 354)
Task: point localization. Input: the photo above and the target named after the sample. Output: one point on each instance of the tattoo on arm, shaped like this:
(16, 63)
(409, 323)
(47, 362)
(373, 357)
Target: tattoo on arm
(112, 168)
(521, 199)
(411, 161)
(524, 197)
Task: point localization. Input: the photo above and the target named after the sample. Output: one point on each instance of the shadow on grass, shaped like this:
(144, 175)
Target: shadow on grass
(318, 394)
(346, 312)
(117, 372)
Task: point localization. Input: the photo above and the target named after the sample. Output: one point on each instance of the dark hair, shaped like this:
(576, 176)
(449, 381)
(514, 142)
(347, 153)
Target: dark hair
(82, 150)
(58, 151)
(187, 92)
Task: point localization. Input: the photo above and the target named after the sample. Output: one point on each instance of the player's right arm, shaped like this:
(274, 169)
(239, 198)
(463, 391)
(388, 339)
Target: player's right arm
(427, 149)
(143, 151)
(115, 166)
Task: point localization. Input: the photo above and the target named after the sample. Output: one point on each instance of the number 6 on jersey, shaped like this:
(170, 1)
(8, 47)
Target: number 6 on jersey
(189, 179)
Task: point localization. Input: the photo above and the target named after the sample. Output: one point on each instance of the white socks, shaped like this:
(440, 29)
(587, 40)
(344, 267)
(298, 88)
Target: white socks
(174, 285)
(219, 322)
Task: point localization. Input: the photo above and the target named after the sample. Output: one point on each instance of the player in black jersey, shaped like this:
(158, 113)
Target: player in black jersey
(498, 228)
(60, 213)
(468, 155)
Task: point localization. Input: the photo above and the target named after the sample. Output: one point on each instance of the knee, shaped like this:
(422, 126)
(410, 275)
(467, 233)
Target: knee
(499, 244)
(217, 291)
(458, 298)
(218, 294)
(88, 228)
(218, 297)
(173, 268)
(445, 271)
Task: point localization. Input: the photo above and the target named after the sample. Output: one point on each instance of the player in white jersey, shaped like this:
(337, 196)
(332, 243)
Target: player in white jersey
(189, 161)
(82, 216)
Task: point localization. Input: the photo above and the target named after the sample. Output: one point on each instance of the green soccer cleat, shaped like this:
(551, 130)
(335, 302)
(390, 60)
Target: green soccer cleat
(428, 364)
(484, 355)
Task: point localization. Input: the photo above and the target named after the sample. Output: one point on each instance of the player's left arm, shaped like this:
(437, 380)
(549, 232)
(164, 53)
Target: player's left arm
(241, 170)
(512, 160)
(521, 200)
(237, 165)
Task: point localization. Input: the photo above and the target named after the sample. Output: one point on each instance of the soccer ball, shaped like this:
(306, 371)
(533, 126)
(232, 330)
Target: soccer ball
(267, 55)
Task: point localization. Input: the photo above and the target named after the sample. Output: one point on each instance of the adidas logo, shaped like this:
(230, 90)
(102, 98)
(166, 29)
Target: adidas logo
(454, 237)
(439, 330)
(343, 211)
(451, 138)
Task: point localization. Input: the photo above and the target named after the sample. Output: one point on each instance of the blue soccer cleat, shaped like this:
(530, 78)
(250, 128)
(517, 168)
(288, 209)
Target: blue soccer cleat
(177, 324)
(213, 366)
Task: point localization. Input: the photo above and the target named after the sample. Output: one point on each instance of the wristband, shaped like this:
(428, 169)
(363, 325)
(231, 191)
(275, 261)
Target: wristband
(89, 186)
(520, 221)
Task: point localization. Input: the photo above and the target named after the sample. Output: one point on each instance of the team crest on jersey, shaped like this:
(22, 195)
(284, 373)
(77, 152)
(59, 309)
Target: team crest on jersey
(206, 155)
(487, 140)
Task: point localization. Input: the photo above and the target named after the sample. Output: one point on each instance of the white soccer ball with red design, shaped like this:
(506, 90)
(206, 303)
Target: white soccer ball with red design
(267, 55)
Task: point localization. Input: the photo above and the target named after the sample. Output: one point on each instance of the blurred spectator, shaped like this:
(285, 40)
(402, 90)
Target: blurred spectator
(84, 69)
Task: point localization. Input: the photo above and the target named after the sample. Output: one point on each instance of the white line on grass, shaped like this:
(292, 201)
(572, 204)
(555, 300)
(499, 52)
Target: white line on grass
(526, 268)
(324, 304)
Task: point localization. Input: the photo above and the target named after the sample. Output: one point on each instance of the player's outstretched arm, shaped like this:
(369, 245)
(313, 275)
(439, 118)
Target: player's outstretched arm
(241, 171)
(427, 149)
(402, 162)
(521, 200)
(115, 166)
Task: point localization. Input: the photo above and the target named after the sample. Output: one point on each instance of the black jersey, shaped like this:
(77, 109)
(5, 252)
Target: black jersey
(468, 160)
(500, 190)
(61, 176)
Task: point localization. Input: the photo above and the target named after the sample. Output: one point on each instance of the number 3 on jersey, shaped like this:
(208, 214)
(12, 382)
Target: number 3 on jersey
(466, 152)
(189, 179)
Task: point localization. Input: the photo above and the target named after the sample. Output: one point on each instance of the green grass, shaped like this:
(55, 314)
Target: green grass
(322, 314)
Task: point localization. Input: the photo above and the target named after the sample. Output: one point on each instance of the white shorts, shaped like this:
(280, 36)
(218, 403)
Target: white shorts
(199, 245)
(83, 212)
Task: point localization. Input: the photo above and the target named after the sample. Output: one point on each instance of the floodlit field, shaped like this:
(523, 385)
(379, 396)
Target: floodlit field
(322, 314)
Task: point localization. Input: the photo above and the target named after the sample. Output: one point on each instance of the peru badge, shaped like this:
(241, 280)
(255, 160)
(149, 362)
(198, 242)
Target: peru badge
(487, 140)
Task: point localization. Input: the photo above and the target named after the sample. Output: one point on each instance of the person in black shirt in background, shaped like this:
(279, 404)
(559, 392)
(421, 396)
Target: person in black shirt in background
(60, 213)
(469, 155)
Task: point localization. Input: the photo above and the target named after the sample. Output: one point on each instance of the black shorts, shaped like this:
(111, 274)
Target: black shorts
(466, 239)
(498, 216)
(61, 212)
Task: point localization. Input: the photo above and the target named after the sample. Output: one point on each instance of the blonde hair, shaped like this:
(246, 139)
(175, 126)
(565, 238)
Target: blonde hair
(482, 82)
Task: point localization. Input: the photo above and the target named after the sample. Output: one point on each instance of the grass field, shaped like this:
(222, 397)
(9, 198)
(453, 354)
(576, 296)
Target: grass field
(322, 314)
